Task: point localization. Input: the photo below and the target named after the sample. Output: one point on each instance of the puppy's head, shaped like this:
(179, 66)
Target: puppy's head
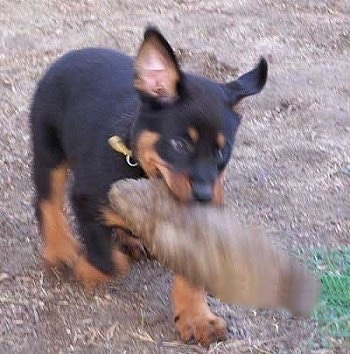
(186, 128)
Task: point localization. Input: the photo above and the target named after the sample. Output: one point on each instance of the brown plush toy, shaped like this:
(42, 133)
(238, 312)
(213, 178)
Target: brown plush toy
(206, 245)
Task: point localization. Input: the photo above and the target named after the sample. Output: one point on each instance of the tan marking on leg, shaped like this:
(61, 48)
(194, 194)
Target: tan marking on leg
(59, 245)
(193, 318)
(89, 275)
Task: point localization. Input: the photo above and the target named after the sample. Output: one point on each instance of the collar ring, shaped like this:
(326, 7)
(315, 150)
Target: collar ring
(130, 161)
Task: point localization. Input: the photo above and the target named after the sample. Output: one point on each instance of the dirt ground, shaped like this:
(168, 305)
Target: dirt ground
(288, 172)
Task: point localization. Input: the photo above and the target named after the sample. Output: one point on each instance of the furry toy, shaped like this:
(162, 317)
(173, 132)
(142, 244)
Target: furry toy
(206, 245)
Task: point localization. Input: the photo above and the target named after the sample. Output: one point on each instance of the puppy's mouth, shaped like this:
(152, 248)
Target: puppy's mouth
(185, 190)
(179, 183)
(155, 166)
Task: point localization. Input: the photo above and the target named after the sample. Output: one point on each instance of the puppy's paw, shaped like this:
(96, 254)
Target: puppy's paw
(200, 326)
(89, 275)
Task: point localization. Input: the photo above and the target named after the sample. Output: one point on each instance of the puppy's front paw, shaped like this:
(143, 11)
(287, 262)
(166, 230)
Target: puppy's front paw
(200, 326)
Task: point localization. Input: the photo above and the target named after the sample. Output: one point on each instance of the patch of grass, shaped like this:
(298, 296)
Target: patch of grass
(332, 312)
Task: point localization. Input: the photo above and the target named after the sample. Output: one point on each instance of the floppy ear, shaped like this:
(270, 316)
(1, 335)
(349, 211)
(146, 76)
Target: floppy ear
(157, 70)
(248, 84)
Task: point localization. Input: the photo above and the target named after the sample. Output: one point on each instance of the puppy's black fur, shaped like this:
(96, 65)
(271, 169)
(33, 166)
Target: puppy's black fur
(89, 95)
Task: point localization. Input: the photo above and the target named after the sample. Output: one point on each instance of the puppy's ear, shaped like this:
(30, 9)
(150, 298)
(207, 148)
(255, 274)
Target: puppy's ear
(157, 70)
(248, 84)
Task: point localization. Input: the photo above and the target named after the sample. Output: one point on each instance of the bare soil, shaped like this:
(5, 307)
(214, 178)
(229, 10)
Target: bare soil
(289, 172)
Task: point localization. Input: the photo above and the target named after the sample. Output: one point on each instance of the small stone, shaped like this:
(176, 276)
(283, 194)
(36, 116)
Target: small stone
(4, 276)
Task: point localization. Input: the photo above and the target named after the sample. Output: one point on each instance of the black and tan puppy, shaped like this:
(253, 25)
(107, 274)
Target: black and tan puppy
(180, 127)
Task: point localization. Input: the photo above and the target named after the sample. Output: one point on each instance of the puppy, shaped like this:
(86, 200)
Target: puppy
(179, 126)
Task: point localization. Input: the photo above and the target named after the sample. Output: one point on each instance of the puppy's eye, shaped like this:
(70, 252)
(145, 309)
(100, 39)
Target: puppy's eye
(181, 146)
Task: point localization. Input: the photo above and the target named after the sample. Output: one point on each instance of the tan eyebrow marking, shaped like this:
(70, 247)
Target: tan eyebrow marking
(221, 140)
(193, 133)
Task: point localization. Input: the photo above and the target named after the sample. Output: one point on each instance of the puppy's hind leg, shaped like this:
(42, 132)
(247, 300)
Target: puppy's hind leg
(59, 245)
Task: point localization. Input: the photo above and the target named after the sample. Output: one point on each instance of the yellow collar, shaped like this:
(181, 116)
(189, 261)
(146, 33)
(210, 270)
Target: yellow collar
(117, 144)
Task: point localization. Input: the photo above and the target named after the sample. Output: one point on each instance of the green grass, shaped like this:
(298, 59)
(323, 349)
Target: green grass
(332, 312)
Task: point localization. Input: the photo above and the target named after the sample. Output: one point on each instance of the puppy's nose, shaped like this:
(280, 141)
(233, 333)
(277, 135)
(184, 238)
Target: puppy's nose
(202, 192)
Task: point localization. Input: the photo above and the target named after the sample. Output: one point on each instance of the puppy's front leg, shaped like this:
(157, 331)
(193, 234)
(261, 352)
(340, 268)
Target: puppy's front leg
(192, 316)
